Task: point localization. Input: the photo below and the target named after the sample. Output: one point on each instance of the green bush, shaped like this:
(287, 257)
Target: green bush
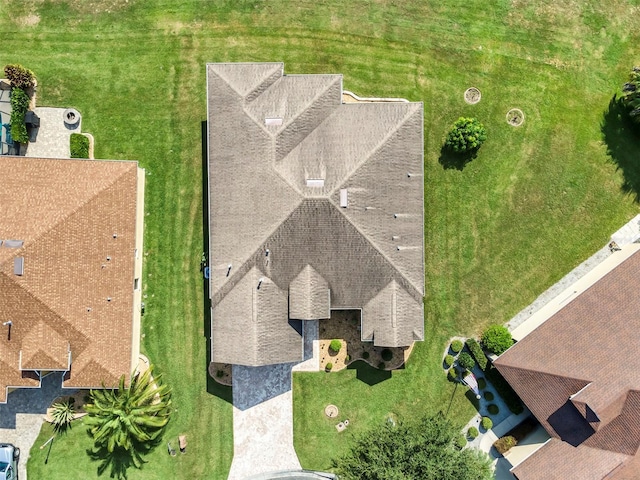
(478, 354)
(328, 367)
(79, 146)
(19, 76)
(347, 358)
(504, 444)
(482, 383)
(504, 390)
(386, 354)
(448, 360)
(452, 375)
(460, 442)
(486, 423)
(456, 346)
(365, 355)
(219, 374)
(631, 94)
(473, 432)
(497, 339)
(19, 107)
(488, 396)
(335, 346)
(466, 134)
(381, 366)
(493, 408)
(465, 361)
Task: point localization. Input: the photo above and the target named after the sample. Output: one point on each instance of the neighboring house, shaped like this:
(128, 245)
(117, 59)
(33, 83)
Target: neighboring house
(70, 267)
(579, 374)
(314, 205)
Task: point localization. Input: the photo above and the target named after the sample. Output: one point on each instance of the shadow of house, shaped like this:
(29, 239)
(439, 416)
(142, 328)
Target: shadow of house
(622, 138)
(368, 374)
(451, 160)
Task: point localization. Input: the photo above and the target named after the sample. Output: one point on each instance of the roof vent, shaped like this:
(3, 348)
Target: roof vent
(18, 266)
(315, 182)
(115, 235)
(228, 269)
(13, 243)
(108, 299)
(273, 122)
(88, 309)
(260, 282)
(108, 258)
(344, 198)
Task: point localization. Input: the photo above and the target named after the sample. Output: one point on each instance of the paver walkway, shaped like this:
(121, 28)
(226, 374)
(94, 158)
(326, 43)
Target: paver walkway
(22, 416)
(263, 413)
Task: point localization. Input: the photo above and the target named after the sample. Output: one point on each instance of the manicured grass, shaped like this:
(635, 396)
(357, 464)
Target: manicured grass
(536, 201)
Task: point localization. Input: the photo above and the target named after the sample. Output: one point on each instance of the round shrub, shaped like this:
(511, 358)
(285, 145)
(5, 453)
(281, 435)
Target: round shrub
(452, 375)
(335, 346)
(219, 374)
(381, 366)
(328, 367)
(19, 76)
(466, 134)
(473, 432)
(488, 396)
(486, 423)
(456, 346)
(466, 361)
(448, 360)
(460, 442)
(493, 409)
(386, 354)
(497, 339)
(482, 383)
(365, 355)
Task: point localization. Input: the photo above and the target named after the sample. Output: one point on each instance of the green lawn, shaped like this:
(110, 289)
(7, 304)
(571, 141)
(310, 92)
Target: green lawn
(536, 201)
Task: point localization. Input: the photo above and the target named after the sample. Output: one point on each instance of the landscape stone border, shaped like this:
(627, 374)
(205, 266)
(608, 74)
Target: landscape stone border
(515, 117)
(472, 95)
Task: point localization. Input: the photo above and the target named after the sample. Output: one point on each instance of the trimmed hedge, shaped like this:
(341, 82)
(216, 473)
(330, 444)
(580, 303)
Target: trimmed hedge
(504, 390)
(452, 375)
(79, 146)
(488, 396)
(482, 383)
(460, 442)
(448, 360)
(19, 107)
(504, 444)
(478, 354)
(486, 423)
(328, 367)
(386, 355)
(493, 408)
(381, 366)
(473, 432)
(456, 346)
(335, 346)
(365, 355)
(466, 361)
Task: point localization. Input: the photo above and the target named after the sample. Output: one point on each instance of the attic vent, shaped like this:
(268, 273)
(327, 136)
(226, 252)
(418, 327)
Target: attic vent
(18, 266)
(115, 235)
(272, 122)
(315, 182)
(13, 243)
(344, 199)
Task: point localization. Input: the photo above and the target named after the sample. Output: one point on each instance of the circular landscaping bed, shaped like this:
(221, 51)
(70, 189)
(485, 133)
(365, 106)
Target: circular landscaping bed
(515, 117)
(472, 95)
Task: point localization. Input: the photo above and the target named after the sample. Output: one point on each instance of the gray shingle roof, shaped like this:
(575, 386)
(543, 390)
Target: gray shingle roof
(284, 154)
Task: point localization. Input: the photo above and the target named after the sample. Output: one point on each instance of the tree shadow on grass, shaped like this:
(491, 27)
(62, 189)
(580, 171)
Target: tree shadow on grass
(368, 374)
(118, 462)
(455, 160)
(622, 138)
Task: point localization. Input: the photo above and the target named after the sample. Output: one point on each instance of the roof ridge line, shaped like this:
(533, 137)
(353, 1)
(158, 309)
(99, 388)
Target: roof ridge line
(522, 369)
(375, 247)
(45, 232)
(383, 142)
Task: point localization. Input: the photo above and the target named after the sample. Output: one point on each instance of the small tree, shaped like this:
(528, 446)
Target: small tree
(466, 361)
(427, 449)
(19, 76)
(467, 134)
(631, 94)
(497, 339)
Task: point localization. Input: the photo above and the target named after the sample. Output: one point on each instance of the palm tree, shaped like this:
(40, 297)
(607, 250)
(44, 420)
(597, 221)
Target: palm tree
(62, 414)
(129, 419)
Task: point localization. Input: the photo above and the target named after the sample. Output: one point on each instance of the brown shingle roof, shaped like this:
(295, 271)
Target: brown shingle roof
(67, 212)
(578, 374)
(282, 148)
